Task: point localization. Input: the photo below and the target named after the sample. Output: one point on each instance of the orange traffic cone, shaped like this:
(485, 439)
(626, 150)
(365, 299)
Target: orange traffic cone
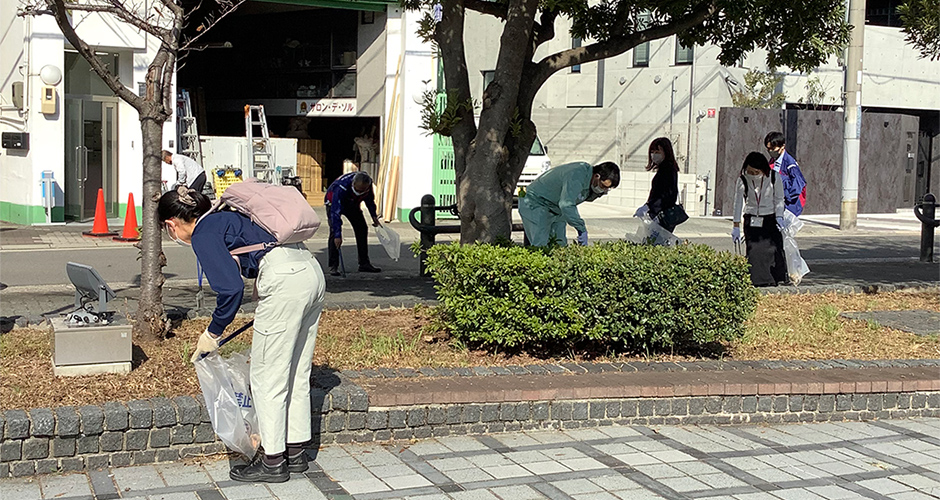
(130, 222)
(100, 227)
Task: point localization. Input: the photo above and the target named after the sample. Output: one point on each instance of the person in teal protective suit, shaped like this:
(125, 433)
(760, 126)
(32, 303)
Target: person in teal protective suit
(551, 201)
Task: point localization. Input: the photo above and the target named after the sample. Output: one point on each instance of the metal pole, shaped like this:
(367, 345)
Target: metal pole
(928, 224)
(852, 109)
(427, 238)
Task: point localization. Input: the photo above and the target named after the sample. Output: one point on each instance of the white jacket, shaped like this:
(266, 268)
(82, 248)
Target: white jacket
(763, 198)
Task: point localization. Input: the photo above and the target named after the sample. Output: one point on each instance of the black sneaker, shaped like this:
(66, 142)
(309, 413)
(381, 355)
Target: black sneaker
(258, 472)
(334, 271)
(369, 268)
(297, 463)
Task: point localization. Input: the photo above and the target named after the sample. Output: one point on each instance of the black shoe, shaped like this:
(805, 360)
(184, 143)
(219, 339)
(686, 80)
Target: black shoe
(297, 463)
(334, 271)
(369, 268)
(258, 472)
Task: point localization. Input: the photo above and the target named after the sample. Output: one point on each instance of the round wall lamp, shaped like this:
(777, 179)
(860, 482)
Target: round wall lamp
(50, 75)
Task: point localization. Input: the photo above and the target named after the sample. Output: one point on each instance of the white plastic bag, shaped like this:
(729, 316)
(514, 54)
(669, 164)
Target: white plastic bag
(390, 241)
(796, 266)
(225, 385)
(650, 232)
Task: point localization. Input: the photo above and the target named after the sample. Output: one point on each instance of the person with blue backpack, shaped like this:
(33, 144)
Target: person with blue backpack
(290, 285)
(794, 185)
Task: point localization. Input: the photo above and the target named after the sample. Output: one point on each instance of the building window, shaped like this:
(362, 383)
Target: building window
(684, 55)
(575, 43)
(488, 76)
(641, 55)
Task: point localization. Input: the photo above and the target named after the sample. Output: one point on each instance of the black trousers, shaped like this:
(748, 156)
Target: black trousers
(765, 251)
(358, 223)
(198, 183)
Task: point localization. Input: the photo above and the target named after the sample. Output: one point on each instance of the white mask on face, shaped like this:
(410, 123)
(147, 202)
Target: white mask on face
(176, 238)
(657, 158)
(755, 179)
(599, 190)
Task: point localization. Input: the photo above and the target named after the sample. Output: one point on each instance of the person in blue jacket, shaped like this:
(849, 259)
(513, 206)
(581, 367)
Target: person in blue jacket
(343, 198)
(794, 185)
(551, 202)
(291, 288)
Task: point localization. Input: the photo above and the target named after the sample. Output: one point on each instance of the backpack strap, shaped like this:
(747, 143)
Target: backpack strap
(253, 248)
(744, 183)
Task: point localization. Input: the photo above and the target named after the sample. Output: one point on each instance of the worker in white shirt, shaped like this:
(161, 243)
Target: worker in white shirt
(760, 199)
(188, 172)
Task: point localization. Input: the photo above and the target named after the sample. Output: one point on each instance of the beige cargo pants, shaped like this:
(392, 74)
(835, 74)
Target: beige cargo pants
(290, 289)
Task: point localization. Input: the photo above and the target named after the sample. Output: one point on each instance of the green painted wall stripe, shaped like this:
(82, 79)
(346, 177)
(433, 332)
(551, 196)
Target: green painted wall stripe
(28, 214)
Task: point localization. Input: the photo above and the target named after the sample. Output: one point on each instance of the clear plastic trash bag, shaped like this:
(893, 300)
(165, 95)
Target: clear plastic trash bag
(390, 241)
(650, 232)
(225, 385)
(796, 266)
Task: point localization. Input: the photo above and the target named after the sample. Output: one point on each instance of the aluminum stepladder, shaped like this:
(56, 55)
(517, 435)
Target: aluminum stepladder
(188, 140)
(260, 152)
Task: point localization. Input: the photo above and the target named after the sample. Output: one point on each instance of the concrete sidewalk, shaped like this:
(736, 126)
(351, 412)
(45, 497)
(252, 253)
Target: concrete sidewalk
(896, 460)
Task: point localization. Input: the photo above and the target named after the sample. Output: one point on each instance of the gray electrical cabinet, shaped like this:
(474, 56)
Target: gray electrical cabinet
(91, 349)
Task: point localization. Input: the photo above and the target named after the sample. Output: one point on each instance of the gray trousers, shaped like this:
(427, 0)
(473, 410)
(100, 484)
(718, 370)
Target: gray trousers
(290, 290)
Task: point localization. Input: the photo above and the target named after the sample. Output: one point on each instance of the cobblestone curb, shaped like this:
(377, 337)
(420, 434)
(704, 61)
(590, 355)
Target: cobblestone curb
(419, 422)
(116, 434)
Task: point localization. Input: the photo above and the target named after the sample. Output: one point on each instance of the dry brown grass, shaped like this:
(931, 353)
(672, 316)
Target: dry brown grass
(784, 327)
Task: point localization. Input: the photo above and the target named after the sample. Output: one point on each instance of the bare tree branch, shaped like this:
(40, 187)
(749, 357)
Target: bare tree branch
(544, 29)
(619, 44)
(226, 10)
(62, 19)
(121, 13)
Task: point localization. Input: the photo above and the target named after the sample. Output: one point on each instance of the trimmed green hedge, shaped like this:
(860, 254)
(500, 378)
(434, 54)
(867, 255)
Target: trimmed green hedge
(618, 294)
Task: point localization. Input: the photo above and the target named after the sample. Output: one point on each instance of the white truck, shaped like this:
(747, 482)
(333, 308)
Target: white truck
(536, 164)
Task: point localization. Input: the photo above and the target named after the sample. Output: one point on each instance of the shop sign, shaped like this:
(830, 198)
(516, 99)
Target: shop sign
(326, 107)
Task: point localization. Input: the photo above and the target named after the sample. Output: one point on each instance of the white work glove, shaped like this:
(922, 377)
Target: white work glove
(640, 212)
(782, 223)
(735, 234)
(207, 343)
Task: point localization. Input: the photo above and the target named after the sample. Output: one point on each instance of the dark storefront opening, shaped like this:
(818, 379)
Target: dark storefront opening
(277, 54)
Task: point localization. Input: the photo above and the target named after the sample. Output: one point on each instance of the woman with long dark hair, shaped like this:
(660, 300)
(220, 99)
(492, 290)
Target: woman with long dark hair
(291, 289)
(664, 191)
(759, 198)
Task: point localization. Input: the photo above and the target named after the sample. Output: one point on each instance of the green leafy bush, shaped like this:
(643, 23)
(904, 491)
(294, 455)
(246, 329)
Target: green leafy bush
(619, 295)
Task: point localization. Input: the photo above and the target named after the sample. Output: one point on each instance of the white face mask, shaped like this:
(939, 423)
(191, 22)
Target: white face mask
(357, 193)
(657, 158)
(176, 238)
(599, 190)
(754, 178)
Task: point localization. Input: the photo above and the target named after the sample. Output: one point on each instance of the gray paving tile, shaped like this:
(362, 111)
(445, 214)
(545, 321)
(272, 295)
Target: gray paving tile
(833, 492)
(545, 468)
(461, 476)
(247, 492)
(446, 464)
(296, 489)
(577, 486)
(659, 471)
(462, 443)
(518, 492)
(637, 459)
(176, 474)
(595, 496)
(581, 464)
(478, 494)
(391, 470)
(683, 484)
(72, 485)
(144, 477)
(406, 482)
(797, 494)
(884, 486)
(25, 489)
(913, 495)
(364, 486)
(507, 471)
(615, 482)
(182, 495)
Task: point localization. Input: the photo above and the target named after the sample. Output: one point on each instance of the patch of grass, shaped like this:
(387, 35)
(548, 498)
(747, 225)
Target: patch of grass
(872, 325)
(238, 344)
(826, 318)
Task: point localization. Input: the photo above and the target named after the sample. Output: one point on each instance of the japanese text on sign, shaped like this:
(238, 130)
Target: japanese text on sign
(327, 107)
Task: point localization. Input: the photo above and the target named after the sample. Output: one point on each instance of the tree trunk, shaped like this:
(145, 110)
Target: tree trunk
(152, 323)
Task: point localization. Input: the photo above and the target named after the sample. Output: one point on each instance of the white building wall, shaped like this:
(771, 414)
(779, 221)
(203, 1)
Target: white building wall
(37, 42)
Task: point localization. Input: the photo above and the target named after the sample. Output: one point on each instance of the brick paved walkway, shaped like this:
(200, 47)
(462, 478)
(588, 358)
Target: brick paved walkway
(897, 460)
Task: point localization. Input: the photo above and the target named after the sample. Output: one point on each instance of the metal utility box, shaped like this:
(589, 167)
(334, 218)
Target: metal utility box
(14, 140)
(91, 349)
